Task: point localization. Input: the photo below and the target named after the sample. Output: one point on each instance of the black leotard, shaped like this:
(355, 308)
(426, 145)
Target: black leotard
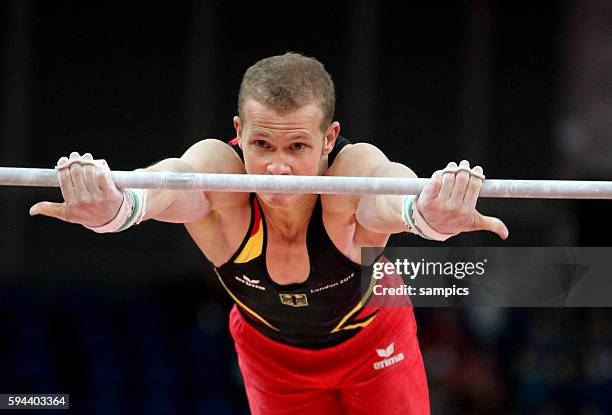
(322, 311)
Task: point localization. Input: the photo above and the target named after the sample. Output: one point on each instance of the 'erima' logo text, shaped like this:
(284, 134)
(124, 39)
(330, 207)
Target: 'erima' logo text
(389, 360)
(249, 282)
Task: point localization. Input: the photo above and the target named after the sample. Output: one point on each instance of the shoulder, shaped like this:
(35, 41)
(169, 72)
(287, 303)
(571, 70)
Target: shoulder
(216, 156)
(213, 156)
(358, 159)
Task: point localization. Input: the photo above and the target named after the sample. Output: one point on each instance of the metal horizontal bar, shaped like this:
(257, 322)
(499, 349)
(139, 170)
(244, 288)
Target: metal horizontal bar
(533, 189)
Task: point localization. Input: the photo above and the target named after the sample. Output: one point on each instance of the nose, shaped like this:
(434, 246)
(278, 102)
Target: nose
(278, 168)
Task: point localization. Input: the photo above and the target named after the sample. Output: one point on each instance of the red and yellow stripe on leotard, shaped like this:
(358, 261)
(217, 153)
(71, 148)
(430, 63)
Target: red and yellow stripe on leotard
(251, 250)
(254, 246)
(342, 325)
(244, 306)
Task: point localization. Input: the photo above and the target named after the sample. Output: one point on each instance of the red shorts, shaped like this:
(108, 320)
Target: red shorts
(378, 371)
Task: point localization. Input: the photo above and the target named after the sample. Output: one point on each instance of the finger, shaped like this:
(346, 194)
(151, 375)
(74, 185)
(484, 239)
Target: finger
(78, 180)
(73, 156)
(61, 161)
(490, 223)
(478, 172)
(431, 189)
(54, 210)
(448, 181)
(89, 175)
(66, 185)
(473, 189)
(104, 178)
(462, 179)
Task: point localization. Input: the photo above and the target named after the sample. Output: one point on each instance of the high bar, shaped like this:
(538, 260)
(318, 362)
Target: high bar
(496, 188)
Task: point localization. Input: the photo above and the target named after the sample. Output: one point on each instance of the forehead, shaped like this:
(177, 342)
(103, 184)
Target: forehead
(258, 115)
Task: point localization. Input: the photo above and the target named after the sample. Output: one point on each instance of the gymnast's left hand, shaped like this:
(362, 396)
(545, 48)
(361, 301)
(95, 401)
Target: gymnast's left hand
(90, 196)
(448, 202)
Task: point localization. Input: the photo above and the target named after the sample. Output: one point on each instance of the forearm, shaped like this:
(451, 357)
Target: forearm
(177, 206)
(383, 213)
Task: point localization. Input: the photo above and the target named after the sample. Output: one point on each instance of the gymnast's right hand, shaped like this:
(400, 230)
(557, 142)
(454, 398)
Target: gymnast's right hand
(90, 195)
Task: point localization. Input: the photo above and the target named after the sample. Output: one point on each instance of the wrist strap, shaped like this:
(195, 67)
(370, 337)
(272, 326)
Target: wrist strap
(131, 212)
(416, 222)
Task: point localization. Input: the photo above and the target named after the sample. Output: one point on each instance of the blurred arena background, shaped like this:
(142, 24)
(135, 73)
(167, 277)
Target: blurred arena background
(135, 322)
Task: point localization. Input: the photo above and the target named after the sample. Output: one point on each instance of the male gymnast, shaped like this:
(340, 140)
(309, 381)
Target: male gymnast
(307, 337)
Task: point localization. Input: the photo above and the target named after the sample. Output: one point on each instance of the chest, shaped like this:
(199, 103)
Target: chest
(287, 262)
(291, 261)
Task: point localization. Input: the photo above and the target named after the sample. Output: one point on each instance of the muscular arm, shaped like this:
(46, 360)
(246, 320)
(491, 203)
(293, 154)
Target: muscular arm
(447, 203)
(92, 199)
(381, 214)
(184, 206)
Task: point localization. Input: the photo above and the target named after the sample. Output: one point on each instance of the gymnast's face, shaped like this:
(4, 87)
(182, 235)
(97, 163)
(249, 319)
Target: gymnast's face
(284, 143)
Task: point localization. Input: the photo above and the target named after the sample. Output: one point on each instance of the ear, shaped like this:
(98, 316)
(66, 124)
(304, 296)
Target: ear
(238, 128)
(330, 137)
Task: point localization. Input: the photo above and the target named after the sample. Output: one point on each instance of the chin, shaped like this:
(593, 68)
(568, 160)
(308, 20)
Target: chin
(278, 200)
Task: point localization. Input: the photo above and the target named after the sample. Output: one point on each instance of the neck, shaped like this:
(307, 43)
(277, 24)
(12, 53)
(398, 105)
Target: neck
(290, 222)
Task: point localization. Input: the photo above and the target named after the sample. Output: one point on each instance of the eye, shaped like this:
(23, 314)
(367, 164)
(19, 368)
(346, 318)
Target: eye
(261, 144)
(298, 146)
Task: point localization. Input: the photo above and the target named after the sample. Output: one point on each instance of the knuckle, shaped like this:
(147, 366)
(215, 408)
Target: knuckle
(447, 177)
(75, 168)
(475, 182)
(102, 164)
(100, 175)
(463, 177)
(106, 185)
(90, 171)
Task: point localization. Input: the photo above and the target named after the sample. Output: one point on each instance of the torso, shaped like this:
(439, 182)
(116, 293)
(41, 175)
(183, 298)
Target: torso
(220, 234)
(284, 268)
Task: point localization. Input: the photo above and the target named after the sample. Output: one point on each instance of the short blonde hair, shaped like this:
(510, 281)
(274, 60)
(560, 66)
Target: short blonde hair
(288, 82)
